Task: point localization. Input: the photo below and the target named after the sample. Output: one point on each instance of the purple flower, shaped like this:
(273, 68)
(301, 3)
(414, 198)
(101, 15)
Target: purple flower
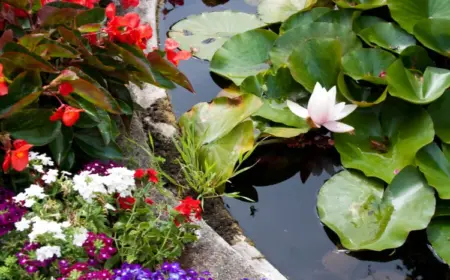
(99, 247)
(10, 212)
(31, 265)
(168, 271)
(100, 167)
(132, 272)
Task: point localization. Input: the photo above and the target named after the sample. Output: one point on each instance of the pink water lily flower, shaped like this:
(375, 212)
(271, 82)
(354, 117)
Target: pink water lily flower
(323, 110)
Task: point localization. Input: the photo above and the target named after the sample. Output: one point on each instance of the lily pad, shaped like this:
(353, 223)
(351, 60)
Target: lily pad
(359, 94)
(385, 143)
(279, 112)
(216, 119)
(243, 55)
(438, 111)
(286, 43)
(365, 216)
(316, 60)
(408, 13)
(413, 87)
(434, 34)
(367, 65)
(436, 168)
(360, 4)
(303, 18)
(207, 32)
(416, 58)
(438, 232)
(272, 11)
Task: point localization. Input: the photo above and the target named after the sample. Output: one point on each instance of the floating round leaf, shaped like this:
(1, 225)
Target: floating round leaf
(279, 113)
(278, 10)
(438, 232)
(359, 94)
(436, 168)
(413, 87)
(303, 18)
(291, 40)
(434, 34)
(416, 58)
(208, 31)
(316, 60)
(244, 55)
(365, 216)
(360, 4)
(408, 13)
(439, 113)
(387, 143)
(367, 64)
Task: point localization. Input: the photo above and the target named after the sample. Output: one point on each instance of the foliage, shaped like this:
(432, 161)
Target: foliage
(78, 59)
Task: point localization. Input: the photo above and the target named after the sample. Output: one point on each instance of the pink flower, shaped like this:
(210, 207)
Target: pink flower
(323, 110)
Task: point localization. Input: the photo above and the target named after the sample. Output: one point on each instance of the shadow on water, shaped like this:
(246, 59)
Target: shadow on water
(283, 221)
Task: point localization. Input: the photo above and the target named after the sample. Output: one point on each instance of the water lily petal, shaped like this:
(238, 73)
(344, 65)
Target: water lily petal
(297, 109)
(347, 110)
(338, 127)
(319, 106)
(337, 110)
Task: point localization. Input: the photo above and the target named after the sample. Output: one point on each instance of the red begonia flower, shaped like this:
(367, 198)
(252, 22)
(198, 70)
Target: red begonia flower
(71, 115)
(65, 88)
(149, 201)
(130, 3)
(126, 203)
(139, 173)
(110, 10)
(17, 158)
(3, 84)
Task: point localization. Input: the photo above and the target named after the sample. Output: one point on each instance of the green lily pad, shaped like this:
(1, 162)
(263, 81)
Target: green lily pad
(207, 32)
(243, 55)
(434, 34)
(438, 111)
(303, 18)
(385, 143)
(216, 119)
(438, 232)
(367, 65)
(413, 87)
(359, 94)
(287, 42)
(360, 4)
(408, 13)
(279, 112)
(416, 58)
(436, 168)
(365, 216)
(272, 11)
(316, 60)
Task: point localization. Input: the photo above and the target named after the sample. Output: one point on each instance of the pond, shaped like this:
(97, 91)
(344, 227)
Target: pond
(283, 223)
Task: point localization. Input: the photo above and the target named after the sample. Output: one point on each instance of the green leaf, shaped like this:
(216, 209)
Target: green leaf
(280, 113)
(51, 48)
(49, 16)
(408, 13)
(303, 18)
(367, 65)
(388, 142)
(21, 57)
(436, 168)
(365, 216)
(316, 60)
(438, 232)
(291, 40)
(272, 11)
(33, 126)
(24, 89)
(95, 15)
(438, 111)
(282, 132)
(254, 85)
(62, 144)
(413, 87)
(105, 126)
(216, 119)
(91, 142)
(360, 94)
(416, 58)
(434, 34)
(360, 4)
(243, 55)
(206, 33)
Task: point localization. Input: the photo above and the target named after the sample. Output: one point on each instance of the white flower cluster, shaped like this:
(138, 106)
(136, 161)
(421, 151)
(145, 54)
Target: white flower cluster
(38, 161)
(41, 227)
(119, 180)
(30, 195)
(47, 252)
(80, 236)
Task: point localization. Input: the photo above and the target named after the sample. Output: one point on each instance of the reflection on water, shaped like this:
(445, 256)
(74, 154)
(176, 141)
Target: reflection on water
(283, 222)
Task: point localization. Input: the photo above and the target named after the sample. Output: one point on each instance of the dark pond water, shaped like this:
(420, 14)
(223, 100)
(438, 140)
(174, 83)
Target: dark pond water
(283, 223)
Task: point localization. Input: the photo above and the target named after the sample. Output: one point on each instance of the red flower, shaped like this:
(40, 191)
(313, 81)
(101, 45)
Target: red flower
(130, 3)
(126, 203)
(174, 56)
(152, 175)
(86, 3)
(69, 115)
(190, 206)
(3, 84)
(65, 88)
(139, 173)
(126, 29)
(149, 201)
(110, 10)
(18, 158)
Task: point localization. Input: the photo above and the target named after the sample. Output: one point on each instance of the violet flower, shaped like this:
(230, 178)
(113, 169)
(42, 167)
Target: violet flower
(100, 167)
(10, 212)
(168, 271)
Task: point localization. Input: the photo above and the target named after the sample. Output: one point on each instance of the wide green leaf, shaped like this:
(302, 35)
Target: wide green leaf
(289, 41)
(50, 16)
(434, 34)
(279, 113)
(21, 57)
(272, 11)
(367, 65)
(243, 55)
(438, 232)
(361, 94)
(436, 168)
(413, 87)
(365, 216)
(408, 13)
(91, 16)
(206, 33)
(303, 18)
(61, 145)
(438, 111)
(360, 4)
(214, 120)
(91, 142)
(416, 58)
(33, 125)
(383, 144)
(316, 60)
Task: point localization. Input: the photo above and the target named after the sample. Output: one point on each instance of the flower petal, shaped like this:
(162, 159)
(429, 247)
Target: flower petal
(297, 109)
(347, 110)
(318, 105)
(338, 127)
